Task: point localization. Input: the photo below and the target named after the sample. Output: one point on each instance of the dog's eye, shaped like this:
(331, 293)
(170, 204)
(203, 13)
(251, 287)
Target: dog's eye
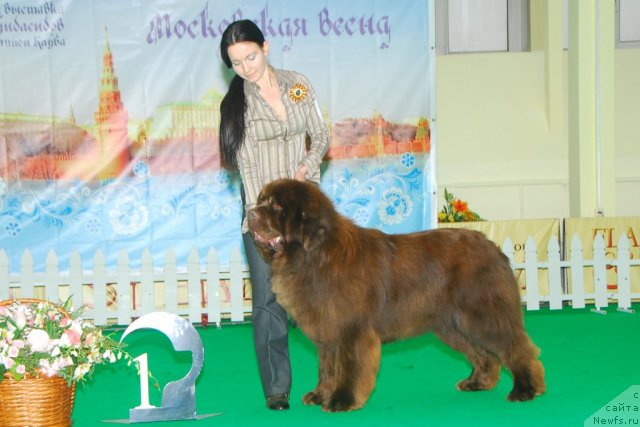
(277, 207)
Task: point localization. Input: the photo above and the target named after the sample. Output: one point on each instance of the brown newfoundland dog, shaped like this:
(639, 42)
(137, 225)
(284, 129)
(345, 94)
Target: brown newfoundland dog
(350, 289)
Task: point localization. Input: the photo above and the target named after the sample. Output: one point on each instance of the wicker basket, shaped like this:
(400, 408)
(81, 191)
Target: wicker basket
(35, 402)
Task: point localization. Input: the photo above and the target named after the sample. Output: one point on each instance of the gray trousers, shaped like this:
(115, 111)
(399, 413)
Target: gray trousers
(270, 326)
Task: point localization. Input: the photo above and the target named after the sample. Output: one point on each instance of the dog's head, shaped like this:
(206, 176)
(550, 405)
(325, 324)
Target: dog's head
(290, 215)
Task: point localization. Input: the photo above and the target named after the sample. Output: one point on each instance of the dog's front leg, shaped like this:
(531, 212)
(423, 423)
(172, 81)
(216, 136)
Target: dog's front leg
(326, 376)
(356, 368)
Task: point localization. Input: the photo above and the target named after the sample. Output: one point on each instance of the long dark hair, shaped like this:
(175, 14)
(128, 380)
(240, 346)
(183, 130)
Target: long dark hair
(233, 104)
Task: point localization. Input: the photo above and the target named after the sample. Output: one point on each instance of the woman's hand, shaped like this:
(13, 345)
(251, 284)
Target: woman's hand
(301, 174)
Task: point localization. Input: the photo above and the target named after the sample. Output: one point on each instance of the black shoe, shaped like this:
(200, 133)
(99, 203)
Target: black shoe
(278, 402)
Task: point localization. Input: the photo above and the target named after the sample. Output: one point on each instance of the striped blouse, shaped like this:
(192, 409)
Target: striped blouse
(274, 149)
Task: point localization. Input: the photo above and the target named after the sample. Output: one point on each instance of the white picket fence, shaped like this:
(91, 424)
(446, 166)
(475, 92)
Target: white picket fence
(210, 294)
(206, 294)
(558, 271)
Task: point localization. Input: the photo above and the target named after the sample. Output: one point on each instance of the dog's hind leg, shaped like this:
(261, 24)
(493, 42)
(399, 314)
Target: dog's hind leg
(486, 367)
(357, 365)
(527, 370)
(484, 376)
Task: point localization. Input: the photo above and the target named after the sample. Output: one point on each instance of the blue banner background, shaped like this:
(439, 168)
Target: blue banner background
(368, 61)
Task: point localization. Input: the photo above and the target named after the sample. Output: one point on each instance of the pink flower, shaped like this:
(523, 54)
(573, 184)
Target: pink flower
(70, 337)
(21, 369)
(89, 339)
(63, 362)
(13, 351)
(8, 363)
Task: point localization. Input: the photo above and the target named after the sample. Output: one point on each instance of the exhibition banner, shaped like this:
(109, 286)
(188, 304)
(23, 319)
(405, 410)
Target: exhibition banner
(109, 115)
(611, 229)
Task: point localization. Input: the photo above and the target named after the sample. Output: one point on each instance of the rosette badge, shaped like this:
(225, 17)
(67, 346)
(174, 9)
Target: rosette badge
(298, 92)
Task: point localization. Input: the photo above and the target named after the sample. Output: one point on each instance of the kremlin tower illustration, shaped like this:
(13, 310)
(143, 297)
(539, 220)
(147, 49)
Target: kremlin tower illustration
(112, 120)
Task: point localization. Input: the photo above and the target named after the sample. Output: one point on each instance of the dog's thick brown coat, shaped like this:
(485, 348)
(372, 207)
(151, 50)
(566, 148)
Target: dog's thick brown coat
(350, 289)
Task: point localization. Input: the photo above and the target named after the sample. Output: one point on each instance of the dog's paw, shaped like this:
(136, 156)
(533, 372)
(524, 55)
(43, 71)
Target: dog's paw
(522, 394)
(312, 398)
(341, 401)
(473, 385)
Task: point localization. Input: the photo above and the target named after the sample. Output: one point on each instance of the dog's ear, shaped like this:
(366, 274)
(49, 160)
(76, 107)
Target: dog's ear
(314, 232)
(304, 224)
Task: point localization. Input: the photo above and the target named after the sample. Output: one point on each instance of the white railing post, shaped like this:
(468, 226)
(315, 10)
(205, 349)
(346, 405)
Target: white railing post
(531, 274)
(193, 286)
(235, 286)
(599, 274)
(27, 279)
(213, 288)
(75, 279)
(577, 273)
(624, 282)
(146, 287)
(170, 282)
(554, 274)
(51, 279)
(123, 285)
(99, 289)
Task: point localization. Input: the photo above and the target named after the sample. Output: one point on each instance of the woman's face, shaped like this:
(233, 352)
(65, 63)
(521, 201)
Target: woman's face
(249, 60)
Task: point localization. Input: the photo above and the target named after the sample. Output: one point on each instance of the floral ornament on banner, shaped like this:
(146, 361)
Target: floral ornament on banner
(298, 92)
(42, 339)
(377, 196)
(456, 210)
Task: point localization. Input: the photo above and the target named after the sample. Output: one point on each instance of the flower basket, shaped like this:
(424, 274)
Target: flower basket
(36, 401)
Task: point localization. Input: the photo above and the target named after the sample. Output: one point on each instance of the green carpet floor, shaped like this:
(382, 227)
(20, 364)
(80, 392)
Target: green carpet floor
(589, 360)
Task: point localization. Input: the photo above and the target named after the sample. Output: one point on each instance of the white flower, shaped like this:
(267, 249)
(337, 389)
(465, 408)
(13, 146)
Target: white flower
(56, 351)
(47, 369)
(108, 355)
(21, 318)
(81, 370)
(38, 340)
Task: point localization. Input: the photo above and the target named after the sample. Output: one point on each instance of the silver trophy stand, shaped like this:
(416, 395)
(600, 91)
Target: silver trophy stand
(178, 397)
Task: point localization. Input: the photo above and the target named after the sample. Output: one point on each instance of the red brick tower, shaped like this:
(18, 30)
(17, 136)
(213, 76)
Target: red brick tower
(111, 122)
(423, 136)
